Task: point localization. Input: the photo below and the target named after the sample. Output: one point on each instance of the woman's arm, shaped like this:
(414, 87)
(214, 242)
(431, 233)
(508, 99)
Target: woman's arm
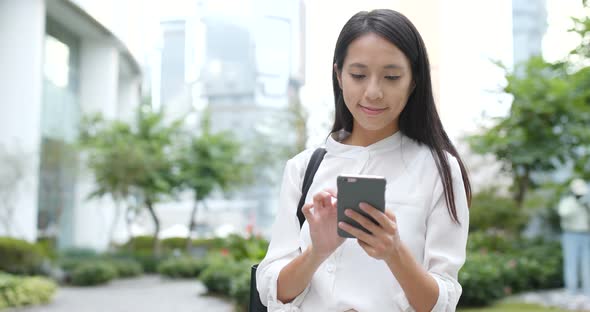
(431, 285)
(384, 243)
(420, 288)
(294, 278)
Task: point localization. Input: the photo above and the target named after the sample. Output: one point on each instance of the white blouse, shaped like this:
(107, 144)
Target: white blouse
(349, 278)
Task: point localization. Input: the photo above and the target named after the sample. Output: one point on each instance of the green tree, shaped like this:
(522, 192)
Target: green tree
(546, 127)
(134, 158)
(209, 161)
(581, 80)
(111, 159)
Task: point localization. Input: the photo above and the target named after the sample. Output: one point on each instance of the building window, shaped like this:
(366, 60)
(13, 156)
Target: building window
(59, 123)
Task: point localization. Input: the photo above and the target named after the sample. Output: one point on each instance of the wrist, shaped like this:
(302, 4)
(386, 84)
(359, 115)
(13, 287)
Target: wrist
(395, 255)
(316, 256)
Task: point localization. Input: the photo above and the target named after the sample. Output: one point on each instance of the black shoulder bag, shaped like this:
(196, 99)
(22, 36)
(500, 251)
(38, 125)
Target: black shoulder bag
(313, 165)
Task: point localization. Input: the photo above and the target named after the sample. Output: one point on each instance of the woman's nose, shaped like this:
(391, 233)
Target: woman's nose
(373, 91)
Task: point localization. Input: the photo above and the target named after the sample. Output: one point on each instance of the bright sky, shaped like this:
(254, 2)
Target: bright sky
(472, 33)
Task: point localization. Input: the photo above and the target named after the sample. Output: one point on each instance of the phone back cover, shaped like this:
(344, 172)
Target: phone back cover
(351, 194)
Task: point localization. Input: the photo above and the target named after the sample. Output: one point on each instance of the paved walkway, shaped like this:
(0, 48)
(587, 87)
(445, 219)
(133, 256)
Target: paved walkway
(555, 298)
(145, 294)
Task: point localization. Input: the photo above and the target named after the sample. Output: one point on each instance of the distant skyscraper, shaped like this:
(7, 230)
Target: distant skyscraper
(244, 61)
(174, 92)
(529, 23)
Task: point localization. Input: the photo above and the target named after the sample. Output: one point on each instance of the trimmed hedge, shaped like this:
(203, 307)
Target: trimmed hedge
(93, 273)
(126, 267)
(20, 257)
(183, 267)
(123, 268)
(148, 262)
(18, 291)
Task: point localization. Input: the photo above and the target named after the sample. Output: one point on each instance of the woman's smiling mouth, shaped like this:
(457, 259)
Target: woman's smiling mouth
(371, 110)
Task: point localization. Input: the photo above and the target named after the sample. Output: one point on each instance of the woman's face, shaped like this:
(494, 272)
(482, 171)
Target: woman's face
(376, 81)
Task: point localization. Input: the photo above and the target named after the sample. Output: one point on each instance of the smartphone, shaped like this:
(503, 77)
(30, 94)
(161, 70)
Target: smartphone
(356, 189)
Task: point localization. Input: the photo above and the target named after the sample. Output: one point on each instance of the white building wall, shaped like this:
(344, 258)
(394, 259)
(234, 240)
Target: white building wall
(128, 98)
(99, 72)
(22, 32)
(99, 92)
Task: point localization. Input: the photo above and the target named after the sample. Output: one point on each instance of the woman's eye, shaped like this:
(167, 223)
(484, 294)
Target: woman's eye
(392, 77)
(355, 76)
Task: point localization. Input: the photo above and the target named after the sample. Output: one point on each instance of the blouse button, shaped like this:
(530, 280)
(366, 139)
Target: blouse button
(330, 268)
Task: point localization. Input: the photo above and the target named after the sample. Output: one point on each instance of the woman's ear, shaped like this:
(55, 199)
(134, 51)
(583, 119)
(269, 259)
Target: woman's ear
(338, 75)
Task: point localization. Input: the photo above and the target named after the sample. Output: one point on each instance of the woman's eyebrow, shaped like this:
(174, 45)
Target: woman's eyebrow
(363, 66)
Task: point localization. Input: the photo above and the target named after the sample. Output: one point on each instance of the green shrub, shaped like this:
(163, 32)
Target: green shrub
(48, 247)
(491, 211)
(146, 259)
(19, 291)
(78, 253)
(219, 273)
(239, 289)
(183, 267)
(252, 248)
(125, 267)
(525, 265)
(93, 273)
(20, 257)
(481, 279)
(140, 243)
(172, 243)
(490, 242)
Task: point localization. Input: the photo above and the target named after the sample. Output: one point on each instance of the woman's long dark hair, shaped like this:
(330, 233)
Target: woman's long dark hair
(419, 120)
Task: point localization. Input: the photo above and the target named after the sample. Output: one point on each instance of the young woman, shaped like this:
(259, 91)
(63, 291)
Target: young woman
(386, 124)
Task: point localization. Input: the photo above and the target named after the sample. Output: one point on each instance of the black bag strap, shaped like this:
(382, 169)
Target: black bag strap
(312, 167)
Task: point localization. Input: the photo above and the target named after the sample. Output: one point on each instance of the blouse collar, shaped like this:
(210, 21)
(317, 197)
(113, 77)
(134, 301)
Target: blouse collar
(335, 147)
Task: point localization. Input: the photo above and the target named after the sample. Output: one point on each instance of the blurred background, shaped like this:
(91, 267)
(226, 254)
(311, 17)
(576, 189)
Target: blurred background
(150, 136)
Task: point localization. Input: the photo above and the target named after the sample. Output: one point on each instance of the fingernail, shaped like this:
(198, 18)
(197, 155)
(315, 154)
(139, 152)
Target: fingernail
(363, 205)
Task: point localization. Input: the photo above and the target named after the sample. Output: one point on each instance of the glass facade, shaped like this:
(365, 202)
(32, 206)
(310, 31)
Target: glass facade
(59, 123)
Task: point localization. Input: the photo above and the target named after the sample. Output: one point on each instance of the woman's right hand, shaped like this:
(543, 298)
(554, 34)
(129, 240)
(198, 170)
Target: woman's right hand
(322, 221)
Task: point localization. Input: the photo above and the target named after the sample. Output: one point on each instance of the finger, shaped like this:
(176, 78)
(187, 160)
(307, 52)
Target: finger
(318, 201)
(306, 209)
(327, 200)
(359, 234)
(367, 248)
(375, 214)
(362, 220)
(331, 191)
(389, 213)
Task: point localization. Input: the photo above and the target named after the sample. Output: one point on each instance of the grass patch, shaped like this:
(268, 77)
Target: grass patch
(513, 307)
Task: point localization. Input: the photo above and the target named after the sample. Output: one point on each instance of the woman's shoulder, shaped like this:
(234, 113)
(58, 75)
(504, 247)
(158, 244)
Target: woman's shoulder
(430, 158)
(300, 160)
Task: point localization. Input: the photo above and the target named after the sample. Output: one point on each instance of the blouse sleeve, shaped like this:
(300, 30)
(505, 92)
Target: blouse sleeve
(284, 245)
(446, 243)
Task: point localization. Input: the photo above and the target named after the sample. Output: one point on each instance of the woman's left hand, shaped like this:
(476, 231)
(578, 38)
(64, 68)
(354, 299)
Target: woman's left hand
(383, 242)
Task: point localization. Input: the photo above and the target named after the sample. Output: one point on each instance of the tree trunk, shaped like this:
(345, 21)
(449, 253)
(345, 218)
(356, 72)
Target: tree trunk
(128, 223)
(156, 246)
(522, 186)
(191, 224)
(6, 218)
(114, 224)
